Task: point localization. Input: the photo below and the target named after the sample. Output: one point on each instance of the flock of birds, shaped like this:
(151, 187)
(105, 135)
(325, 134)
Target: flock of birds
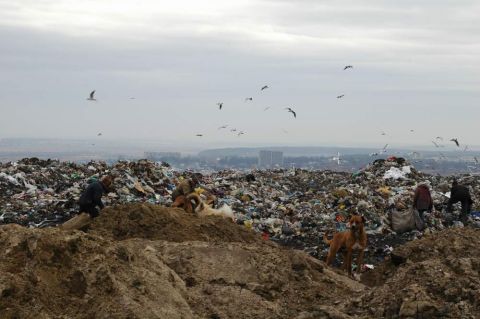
(247, 99)
(437, 142)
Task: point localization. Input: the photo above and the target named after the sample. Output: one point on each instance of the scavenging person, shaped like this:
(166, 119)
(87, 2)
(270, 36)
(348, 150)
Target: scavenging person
(422, 200)
(460, 193)
(92, 196)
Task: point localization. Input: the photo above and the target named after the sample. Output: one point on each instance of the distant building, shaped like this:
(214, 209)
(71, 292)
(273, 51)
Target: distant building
(270, 159)
(162, 156)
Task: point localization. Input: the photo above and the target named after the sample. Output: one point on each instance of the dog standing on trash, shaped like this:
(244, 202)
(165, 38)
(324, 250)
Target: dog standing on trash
(353, 239)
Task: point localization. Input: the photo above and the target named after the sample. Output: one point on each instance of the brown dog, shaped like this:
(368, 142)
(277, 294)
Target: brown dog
(355, 238)
(182, 202)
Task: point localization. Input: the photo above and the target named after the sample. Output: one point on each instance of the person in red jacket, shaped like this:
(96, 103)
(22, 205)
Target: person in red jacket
(422, 200)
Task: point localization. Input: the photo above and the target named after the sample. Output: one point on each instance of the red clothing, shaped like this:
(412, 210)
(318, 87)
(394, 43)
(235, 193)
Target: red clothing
(422, 199)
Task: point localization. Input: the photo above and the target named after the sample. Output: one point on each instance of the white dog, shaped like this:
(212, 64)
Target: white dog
(202, 209)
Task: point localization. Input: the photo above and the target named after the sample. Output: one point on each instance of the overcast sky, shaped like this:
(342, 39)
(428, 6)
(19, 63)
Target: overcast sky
(416, 66)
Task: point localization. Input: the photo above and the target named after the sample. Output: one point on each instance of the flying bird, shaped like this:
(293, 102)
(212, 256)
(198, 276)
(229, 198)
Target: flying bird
(383, 150)
(223, 126)
(268, 107)
(436, 145)
(337, 158)
(383, 133)
(99, 134)
(439, 138)
(132, 98)
(220, 105)
(264, 87)
(199, 135)
(348, 67)
(411, 131)
(455, 140)
(233, 130)
(91, 98)
(291, 111)
(476, 159)
(240, 133)
(248, 99)
(340, 96)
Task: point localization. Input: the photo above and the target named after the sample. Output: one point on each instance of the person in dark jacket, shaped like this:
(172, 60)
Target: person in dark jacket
(422, 200)
(92, 196)
(460, 193)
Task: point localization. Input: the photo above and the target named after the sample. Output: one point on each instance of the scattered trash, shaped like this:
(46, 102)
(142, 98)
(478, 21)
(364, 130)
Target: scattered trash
(291, 206)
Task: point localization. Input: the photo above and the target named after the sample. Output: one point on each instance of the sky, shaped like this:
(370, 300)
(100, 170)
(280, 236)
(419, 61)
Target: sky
(159, 69)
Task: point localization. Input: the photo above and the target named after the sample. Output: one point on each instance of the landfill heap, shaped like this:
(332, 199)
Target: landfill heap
(32, 190)
(294, 207)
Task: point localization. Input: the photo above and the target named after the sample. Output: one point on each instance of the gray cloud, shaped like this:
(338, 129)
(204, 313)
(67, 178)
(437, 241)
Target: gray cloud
(415, 67)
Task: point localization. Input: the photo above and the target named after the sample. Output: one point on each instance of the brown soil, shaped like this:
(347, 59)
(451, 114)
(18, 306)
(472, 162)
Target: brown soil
(171, 224)
(144, 261)
(439, 279)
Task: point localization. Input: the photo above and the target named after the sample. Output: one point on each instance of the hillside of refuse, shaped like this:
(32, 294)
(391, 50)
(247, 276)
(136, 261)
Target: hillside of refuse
(142, 259)
(293, 207)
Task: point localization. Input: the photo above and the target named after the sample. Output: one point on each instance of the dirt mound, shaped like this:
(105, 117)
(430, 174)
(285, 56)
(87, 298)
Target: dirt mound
(170, 224)
(437, 276)
(210, 268)
(54, 274)
(144, 261)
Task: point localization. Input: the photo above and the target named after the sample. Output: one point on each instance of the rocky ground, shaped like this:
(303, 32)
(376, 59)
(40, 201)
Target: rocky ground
(147, 261)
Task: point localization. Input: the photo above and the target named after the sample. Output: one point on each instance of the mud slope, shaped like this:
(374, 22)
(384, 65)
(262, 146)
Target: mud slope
(440, 279)
(143, 261)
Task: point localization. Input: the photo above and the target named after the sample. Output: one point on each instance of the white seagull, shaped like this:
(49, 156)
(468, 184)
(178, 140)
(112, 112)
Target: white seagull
(337, 158)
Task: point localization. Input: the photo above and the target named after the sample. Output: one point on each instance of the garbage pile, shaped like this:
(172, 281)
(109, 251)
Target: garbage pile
(33, 190)
(292, 206)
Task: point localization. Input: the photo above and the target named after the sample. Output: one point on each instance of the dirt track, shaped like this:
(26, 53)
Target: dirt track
(144, 261)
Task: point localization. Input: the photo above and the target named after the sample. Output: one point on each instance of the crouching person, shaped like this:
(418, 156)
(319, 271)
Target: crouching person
(92, 196)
